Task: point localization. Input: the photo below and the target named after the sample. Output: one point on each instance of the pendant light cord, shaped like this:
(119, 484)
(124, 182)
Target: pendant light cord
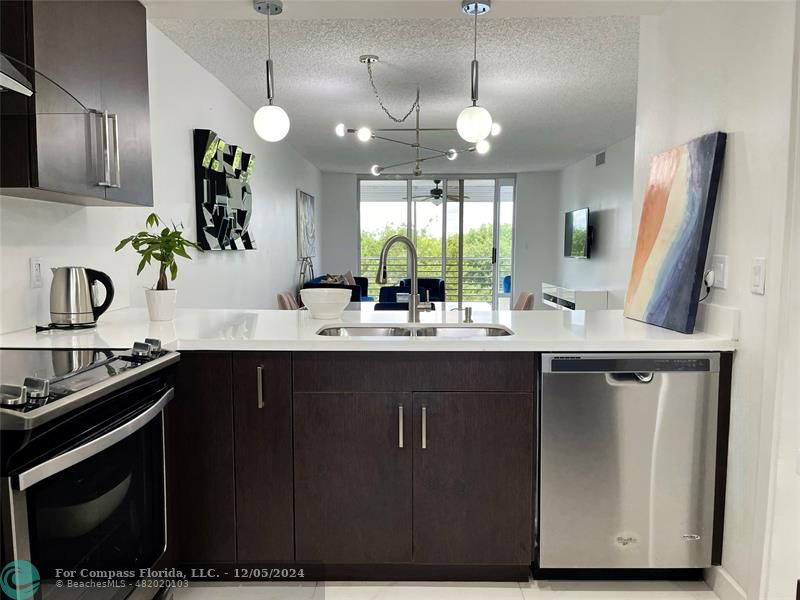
(475, 38)
(269, 35)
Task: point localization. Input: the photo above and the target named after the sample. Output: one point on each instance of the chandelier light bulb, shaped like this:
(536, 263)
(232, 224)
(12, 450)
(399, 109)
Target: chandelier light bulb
(482, 147)
(376, 170)
(474, 124)
(340, 130)
(452, 154)
(271, 123)
(496, 129)
(364, 134)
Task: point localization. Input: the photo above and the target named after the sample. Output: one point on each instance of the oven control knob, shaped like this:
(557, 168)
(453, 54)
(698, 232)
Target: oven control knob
(141, 350)
(155, 345)
(38, 389)
(13, 395)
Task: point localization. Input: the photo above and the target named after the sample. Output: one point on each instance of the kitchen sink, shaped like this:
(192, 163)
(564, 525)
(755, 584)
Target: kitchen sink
(464, 331)
(341, 331)
(455, 331)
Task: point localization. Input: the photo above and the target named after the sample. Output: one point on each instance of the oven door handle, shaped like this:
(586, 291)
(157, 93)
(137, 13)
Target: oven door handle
(69, 459)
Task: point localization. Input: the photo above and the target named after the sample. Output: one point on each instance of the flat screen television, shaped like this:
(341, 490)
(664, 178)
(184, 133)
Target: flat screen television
(577, 234)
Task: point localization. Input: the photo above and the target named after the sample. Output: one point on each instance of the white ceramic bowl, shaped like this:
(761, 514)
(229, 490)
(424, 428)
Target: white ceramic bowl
(325, 304)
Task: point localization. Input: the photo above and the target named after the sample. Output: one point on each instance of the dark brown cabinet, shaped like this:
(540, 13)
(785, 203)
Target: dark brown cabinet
(473, 468)
(352, 455)
(456, 488)
(201, 483)
(366, 465)
(262, 408)
(58, 143)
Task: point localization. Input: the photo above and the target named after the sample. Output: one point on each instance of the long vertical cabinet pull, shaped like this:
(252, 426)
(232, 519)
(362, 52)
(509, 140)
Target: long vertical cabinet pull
(400, 426)
(106, 150)
(116, 182)
(260, 373)
(424, 428)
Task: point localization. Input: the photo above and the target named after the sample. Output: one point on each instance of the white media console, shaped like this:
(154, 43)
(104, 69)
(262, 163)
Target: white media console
(570, 299)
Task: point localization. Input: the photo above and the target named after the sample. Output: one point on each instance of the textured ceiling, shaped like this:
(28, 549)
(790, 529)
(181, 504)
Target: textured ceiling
(561, 87)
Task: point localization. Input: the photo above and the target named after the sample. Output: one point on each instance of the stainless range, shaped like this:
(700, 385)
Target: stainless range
(82, 460)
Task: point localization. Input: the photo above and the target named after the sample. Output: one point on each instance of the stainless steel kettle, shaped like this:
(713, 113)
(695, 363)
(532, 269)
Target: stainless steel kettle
(71, 298)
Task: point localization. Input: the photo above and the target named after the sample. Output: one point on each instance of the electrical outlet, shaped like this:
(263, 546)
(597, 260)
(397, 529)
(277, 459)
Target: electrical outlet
(719, 264)
(758, 276)
(35, 264)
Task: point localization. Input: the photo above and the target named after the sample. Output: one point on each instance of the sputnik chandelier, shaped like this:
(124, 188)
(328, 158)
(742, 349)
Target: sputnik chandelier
(474, 124)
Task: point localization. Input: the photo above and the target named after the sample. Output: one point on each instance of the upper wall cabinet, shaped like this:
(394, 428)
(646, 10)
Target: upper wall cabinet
(84, 136)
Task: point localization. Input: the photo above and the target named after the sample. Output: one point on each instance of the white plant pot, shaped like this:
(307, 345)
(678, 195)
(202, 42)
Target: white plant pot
(161, 304)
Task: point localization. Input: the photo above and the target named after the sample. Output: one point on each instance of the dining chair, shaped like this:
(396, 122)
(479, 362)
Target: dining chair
(287, 301)
(524, 301)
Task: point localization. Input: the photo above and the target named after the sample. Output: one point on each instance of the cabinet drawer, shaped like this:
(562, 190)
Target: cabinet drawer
(414, 371)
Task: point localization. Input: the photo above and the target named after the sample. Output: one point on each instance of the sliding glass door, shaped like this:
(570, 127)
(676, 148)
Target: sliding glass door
(463, 230)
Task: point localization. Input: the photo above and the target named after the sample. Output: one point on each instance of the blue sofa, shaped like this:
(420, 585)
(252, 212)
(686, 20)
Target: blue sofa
(434, 285)
(359, 292)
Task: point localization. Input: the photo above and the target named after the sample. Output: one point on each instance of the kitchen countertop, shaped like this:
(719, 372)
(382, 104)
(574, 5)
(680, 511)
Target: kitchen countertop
(218, 329)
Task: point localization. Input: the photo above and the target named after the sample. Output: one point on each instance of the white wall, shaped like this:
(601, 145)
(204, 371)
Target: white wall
(183, 96)
(536, 248)
(727, 66)
(340, 228)
(606, 190)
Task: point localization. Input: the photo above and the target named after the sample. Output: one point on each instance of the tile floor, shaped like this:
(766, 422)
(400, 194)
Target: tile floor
(533, 590)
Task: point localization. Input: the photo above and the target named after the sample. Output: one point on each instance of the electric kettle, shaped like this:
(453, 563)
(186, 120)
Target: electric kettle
(72, 303)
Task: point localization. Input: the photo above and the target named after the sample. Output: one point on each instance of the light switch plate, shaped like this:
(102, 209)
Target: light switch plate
(758, 276)
(719, 264)
(35, 265)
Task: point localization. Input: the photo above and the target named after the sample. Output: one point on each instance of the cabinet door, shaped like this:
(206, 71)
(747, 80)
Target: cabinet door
(68, 48)
(262, 407)
(473, 479)
(200, 449)
(124, 93)
(352, 477)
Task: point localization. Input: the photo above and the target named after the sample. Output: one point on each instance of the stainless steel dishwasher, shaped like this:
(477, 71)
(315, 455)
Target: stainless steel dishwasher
(627, 460)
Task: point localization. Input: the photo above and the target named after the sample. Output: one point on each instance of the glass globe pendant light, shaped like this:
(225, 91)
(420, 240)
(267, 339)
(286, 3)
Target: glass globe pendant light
(475, 123)
(270, 122)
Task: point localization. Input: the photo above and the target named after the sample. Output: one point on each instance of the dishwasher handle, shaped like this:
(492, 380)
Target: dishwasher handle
(623, 379)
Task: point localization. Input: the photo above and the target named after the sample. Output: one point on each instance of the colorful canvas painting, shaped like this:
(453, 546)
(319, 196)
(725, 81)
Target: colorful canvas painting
(674, 230)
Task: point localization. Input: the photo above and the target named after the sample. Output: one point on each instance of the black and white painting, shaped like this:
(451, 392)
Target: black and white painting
(306, 226)
(222, 193)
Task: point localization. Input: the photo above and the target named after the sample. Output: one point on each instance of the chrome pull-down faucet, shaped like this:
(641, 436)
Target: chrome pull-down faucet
(414, 306)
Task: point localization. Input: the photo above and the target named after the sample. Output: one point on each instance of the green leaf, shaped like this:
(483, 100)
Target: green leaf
(122, 243)
(142, 264)
(173, 270)
(181, 252)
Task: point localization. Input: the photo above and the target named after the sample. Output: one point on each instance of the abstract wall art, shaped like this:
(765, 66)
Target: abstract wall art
(674, 231)
(222, 193)
(306, 226)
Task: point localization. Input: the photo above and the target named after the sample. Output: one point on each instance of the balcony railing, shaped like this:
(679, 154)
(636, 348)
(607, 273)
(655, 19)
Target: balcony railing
(477, 274)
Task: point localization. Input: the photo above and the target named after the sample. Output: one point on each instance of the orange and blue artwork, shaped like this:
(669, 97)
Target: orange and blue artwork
(674, 231)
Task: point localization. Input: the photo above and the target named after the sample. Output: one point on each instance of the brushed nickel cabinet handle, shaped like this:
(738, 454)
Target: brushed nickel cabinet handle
(400, 426)
(117, 167)
(106, 181)
(260, 373)
(424, 428)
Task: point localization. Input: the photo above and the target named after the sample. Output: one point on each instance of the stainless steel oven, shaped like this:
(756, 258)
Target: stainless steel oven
(84, 495)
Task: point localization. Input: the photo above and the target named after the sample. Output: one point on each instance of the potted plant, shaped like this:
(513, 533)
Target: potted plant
(164, 246)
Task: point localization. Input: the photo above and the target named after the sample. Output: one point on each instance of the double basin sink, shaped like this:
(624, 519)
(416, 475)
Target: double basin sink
(456, 331)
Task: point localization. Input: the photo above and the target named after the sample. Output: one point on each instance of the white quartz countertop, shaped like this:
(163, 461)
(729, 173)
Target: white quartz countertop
(216, 329)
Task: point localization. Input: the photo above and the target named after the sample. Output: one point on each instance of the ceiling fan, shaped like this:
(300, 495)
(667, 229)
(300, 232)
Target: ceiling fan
(436, 195)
